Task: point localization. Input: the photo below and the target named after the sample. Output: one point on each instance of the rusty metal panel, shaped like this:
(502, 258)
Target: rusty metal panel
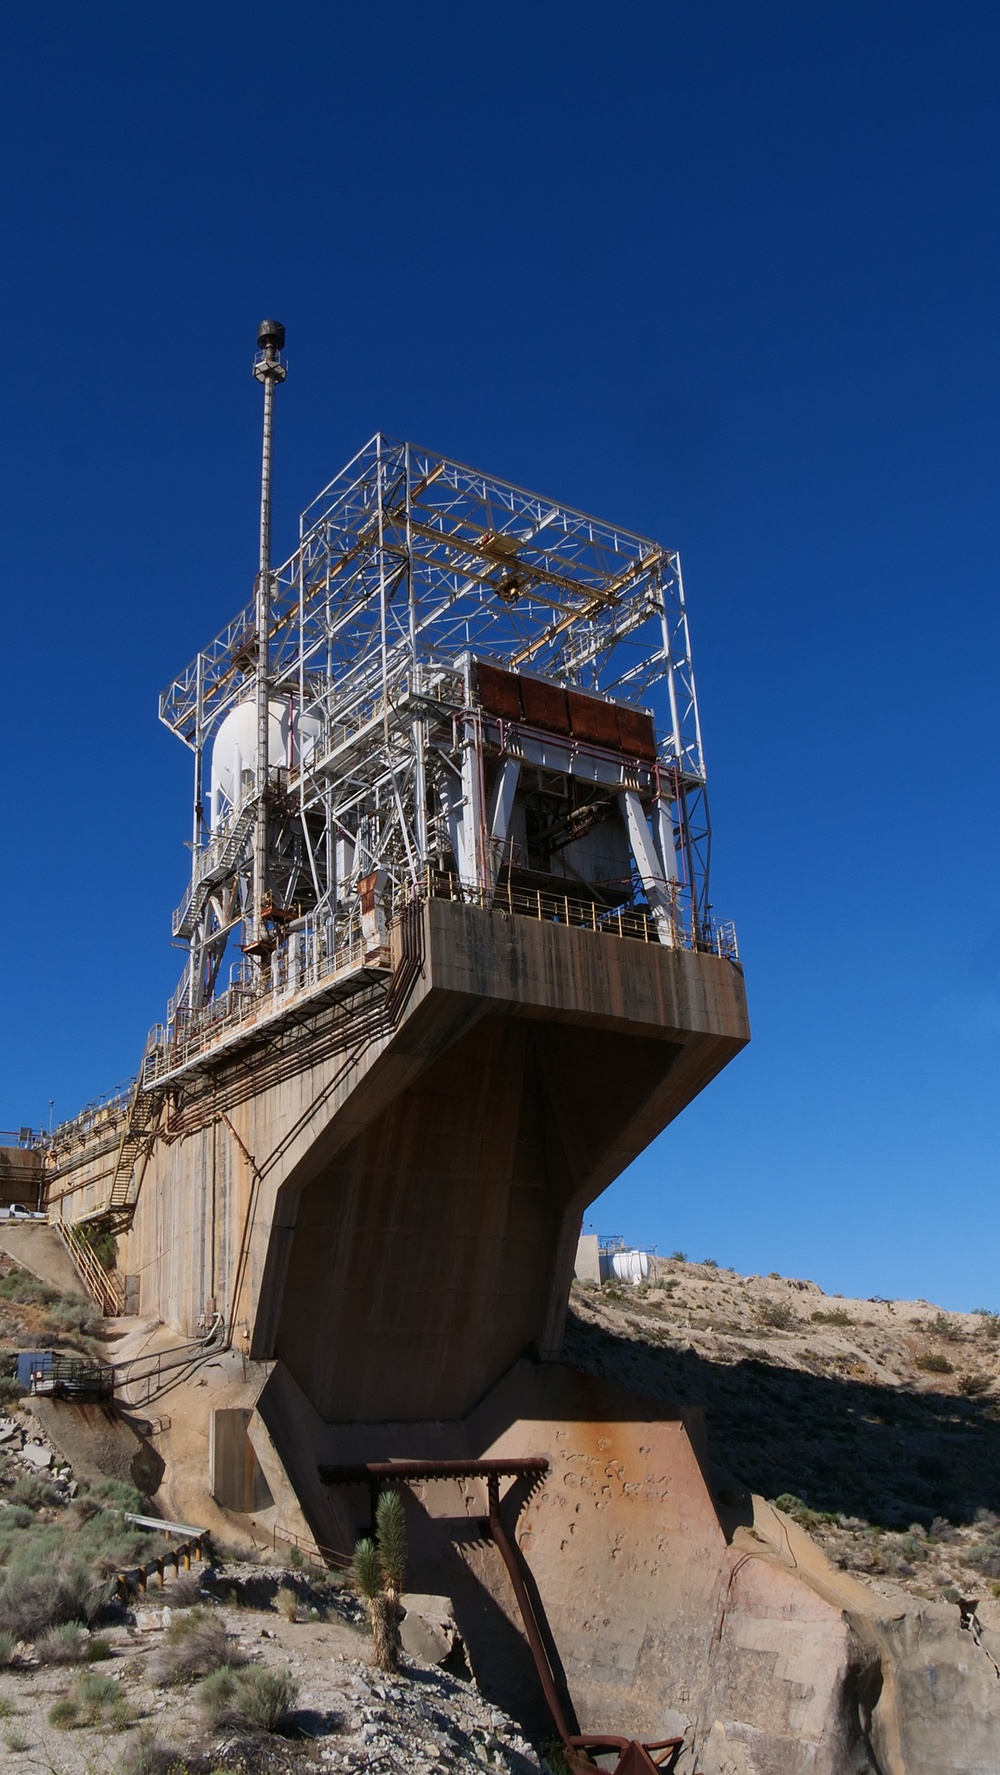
(635, 733)
(544, 705)
(499, 692)
(593, 720)
(236, 1477)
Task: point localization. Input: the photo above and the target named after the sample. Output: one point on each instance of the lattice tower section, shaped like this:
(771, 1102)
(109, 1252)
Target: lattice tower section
(473, 690)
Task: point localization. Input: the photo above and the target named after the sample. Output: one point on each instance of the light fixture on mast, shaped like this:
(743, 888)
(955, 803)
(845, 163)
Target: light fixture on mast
(269, 370)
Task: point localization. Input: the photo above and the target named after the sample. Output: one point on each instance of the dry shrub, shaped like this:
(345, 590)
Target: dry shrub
(92, 1700)
(97, 1695)
(265, 1697)
(34, 1492)
(21, 1285)
(64, 1714)
(258, 1699)
(195, 1645)
(30, 1603)
(76, 1314)
(184, 1592)
(67, 1644)
(144, 1755)
(775, 1314)
(287, 1603)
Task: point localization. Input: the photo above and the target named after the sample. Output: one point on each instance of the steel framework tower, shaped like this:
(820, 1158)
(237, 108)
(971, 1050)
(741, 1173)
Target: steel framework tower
(451, 686)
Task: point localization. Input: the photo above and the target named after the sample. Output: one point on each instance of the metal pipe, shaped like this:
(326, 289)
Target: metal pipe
(197, 826)
(535, 1641)
(361, 1472)
(268, 370)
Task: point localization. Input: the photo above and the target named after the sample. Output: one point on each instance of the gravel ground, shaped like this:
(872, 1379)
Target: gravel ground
(348, 1716)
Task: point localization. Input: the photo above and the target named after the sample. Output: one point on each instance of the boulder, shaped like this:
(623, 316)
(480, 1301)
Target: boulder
(37, 1455)
(428, 1631)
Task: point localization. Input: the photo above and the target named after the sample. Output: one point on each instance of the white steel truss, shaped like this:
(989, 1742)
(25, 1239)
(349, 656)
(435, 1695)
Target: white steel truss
(387, 773)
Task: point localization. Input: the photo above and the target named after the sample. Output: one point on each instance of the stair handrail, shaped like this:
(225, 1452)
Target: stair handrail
(103, 1289)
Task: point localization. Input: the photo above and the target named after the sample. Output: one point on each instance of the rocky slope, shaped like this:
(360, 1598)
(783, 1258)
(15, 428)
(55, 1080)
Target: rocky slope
(345, 1715)
(875, 1423)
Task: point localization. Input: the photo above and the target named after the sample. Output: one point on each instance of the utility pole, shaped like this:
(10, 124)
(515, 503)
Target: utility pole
(269, 370)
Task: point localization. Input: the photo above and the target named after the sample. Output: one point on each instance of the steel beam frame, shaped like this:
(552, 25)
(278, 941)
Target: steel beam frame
(408, 566)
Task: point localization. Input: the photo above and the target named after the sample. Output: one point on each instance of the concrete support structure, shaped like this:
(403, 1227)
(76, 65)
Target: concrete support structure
(383, 1204)
(389, 1202)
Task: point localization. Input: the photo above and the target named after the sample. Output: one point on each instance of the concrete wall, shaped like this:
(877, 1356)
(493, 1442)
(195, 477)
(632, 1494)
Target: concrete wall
(668, 1613)
(394, 1210)
(588, 1258)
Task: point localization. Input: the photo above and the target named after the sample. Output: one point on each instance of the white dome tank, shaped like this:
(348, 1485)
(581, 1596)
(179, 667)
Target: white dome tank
(234, 751)
(626, 1266)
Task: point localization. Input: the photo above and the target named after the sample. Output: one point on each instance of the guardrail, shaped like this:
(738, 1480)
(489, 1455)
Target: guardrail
(69, 1377)
(137, 1577)
(309, 962)
(190, 1529)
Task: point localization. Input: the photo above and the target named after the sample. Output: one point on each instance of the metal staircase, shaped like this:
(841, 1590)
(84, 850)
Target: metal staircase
(218, 863)
(134, 1148)
(103, 1286)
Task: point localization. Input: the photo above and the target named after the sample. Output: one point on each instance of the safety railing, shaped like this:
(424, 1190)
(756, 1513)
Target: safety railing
(70, 1377)
(246, 1003)
(179, 1555)
(213, 862)
(144, 1378)
(102, 1285)
(550, 908)
(313, 958)
(310, 1549)
(102, 1113)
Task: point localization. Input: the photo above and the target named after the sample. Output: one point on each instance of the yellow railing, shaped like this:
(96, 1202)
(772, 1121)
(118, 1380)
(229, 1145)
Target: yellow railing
(102, 1285)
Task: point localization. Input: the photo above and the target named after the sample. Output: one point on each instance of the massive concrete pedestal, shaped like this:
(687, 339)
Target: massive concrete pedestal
(381, 1198)
(386, 1194)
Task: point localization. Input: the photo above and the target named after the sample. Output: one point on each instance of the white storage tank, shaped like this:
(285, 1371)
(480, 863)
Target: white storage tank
(626, 1266)
(234, 750)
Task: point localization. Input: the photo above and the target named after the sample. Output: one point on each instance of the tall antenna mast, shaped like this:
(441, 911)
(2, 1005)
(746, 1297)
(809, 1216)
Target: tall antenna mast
(269, 370)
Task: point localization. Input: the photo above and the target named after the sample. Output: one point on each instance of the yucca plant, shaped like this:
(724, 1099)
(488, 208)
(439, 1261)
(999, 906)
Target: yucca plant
(391, 1528)
(379, 1573)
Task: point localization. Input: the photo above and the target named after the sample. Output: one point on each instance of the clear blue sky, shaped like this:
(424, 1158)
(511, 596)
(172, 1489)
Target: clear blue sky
(725, 272)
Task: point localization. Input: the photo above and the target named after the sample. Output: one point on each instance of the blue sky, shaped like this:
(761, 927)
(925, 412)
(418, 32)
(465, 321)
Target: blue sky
(728, 274)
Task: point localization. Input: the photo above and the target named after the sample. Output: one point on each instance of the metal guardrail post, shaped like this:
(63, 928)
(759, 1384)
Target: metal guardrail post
(243, 1004)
